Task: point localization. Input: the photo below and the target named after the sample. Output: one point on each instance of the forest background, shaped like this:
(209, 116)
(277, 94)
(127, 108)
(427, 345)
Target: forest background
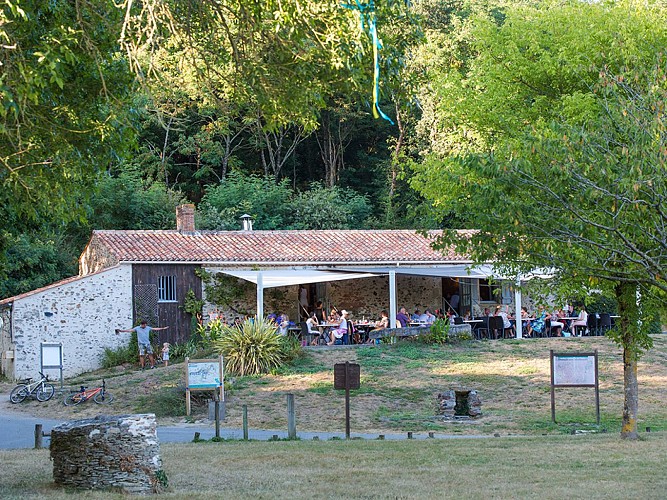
(114, 113)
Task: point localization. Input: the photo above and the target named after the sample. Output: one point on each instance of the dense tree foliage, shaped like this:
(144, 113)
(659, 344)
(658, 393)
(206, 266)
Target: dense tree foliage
(551, 138)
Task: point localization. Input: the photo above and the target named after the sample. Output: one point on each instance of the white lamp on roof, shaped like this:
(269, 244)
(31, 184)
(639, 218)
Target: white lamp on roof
(246, 220)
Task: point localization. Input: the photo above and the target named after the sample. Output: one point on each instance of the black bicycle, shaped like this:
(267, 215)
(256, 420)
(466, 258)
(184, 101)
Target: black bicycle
(41, 389)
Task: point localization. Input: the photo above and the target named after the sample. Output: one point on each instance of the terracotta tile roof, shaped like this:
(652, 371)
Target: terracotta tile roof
(256, 247)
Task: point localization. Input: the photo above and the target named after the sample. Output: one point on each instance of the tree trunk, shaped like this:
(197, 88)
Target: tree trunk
(628, 310)
(631, 396)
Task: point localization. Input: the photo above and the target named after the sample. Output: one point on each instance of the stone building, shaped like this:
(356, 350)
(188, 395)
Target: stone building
(126, 276)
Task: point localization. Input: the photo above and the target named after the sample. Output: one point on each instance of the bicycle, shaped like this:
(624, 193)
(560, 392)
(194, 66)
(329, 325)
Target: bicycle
(40, 389)
(99, 394)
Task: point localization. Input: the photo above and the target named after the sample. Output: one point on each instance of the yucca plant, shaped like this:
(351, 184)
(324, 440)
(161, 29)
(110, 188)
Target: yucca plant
(253, 347)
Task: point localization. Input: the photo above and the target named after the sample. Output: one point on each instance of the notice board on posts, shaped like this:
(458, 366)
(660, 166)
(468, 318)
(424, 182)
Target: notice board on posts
(204, 375)
(574, 369)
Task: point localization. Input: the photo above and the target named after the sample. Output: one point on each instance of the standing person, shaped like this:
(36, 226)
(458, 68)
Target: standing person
(319, 312)
(144, 341)
(303, 301)
(165, 353)
(454, 302)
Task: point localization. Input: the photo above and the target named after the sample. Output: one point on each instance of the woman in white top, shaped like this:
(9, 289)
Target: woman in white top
(341, 330)
(582, 320)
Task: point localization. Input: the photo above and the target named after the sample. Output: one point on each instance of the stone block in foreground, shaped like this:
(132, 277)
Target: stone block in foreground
(120, 453)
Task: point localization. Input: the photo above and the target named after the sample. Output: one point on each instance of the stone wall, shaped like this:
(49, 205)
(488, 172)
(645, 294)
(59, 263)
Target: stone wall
(95, 257)
(82, 314)
(6, 345)
(120, 453)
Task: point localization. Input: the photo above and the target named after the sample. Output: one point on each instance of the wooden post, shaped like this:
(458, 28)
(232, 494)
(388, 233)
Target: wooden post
(187, 388)
(217, 416)
(245, 422)
(291, 417)
(347, 400)
(597, 389)
(553, 395)
(38, 436)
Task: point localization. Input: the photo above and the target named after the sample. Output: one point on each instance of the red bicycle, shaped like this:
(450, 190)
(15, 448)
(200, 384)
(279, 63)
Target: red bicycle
(99, 394)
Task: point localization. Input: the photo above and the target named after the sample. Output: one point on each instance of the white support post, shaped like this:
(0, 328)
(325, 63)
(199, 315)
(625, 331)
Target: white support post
(260, 296)
(517, 309)
(392, 299)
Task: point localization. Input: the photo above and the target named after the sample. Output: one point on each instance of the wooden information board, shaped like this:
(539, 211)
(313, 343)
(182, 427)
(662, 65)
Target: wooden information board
(574, 369)
(204, 375)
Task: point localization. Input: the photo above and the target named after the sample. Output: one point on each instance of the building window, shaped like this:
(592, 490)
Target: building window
(166, 289)
(489, 291)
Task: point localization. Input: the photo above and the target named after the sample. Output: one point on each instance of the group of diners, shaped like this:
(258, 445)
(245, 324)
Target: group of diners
(336, 327)
(565, 322)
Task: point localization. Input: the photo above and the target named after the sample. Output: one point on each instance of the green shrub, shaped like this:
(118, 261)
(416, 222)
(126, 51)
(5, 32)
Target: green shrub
(178, 352)
(253, 348)
(438, 334)
(121, 355)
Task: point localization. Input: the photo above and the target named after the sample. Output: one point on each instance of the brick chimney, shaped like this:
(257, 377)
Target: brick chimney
(185, 218)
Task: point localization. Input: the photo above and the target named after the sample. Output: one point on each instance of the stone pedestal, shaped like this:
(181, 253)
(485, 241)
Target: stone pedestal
(119, 453)
(459, 403)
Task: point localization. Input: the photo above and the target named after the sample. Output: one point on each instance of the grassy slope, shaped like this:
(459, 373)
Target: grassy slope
(399, 387)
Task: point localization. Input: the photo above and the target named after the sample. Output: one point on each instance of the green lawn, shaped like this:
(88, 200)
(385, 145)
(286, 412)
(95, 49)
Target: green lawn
(583, 466)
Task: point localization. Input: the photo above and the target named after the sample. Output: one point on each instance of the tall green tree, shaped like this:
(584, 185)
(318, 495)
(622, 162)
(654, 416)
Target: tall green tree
(63, 84)
(552, 144)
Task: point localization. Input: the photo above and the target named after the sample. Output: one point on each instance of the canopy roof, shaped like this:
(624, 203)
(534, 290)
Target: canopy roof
(272, 278)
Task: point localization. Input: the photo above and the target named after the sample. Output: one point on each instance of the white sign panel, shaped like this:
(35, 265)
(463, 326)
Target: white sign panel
(204, 375)
(52, 355)
(574, 370)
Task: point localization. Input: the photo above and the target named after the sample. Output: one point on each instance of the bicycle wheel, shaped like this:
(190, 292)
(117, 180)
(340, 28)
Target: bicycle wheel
(45, 392)
(103, 398)
(74, 398)
(19, 393)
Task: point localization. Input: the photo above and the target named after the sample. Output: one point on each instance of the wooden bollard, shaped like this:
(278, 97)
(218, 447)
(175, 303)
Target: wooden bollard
(38, 436)
(245, 422)
(409, 435)
(291, 417)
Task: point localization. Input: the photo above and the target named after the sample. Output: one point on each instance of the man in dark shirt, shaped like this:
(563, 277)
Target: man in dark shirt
(402, 318)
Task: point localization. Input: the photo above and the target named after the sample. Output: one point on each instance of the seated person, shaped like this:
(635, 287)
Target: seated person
(402, 318)
(312, 323)
(537, 325)
(341, 330)
(582, 320)
(416, 315)
(428, 317)
(380, 324)
(333, 317)
(283, 324)
(502, 312)
(556, 324)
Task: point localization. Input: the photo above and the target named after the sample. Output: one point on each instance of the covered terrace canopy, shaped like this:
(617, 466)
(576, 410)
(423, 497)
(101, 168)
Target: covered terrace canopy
(271, 278)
